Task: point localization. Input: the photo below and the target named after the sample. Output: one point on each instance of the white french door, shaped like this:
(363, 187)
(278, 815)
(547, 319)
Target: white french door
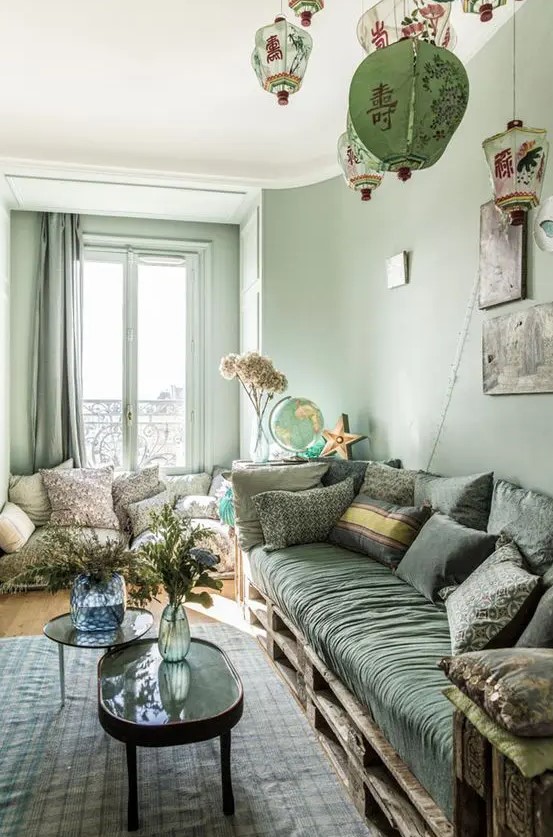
(140, 371)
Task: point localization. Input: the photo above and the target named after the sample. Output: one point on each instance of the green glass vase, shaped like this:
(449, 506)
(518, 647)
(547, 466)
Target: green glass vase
(174, 634)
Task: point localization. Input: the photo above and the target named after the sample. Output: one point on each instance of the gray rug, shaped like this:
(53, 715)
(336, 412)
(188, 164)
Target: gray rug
(61, 775)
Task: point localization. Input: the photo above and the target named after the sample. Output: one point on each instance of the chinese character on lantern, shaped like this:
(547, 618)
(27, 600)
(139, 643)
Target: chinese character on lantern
(503, 164)
(379, 35)
(274, 50)
(383, 106)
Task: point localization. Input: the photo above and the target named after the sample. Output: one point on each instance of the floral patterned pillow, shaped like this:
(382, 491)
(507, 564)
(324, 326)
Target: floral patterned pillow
(513, 686)
(81, 497)
(140, 514)
(198, 506)
(133, 487)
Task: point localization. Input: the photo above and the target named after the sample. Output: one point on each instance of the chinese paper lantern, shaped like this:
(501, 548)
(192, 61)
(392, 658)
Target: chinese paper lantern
(305, 9)
(406, 102)
(517, 159)
(362, 171)
(391, 20)
(280, 58)
(484, 8)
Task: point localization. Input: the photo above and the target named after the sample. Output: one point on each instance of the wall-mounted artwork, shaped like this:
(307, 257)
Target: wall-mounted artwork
(543, 226)
(397, 270)
(502, 258)
(518, 352)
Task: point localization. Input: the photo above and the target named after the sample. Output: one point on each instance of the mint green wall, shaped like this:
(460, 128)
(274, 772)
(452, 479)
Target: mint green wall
(384, 356)
(4, 349)
(225, 316)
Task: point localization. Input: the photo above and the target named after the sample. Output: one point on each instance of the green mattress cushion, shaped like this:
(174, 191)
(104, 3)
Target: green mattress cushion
(382, 638)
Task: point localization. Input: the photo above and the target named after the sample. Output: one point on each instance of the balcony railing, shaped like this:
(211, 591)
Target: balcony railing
(160, 429)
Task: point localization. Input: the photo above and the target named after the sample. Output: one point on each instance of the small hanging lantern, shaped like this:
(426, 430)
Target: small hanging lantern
(305, 9)
(484, 8)
(362, 171)
(517, 159)
(391, 20)
(280, 58)
(406, 102)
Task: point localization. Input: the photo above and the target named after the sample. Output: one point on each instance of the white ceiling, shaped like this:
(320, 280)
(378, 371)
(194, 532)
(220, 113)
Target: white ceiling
(166, 88)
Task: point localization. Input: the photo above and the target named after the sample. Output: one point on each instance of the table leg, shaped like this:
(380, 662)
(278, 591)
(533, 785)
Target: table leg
(132, 811)
(228, 796)
(61, 662)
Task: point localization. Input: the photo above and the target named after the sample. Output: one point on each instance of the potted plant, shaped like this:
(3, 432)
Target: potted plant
(176, 560)
(93, 570)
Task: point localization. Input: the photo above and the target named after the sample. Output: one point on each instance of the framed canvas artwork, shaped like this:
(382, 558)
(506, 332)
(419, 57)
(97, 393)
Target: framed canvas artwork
(397, 270)
(502, 266)
(518, 352)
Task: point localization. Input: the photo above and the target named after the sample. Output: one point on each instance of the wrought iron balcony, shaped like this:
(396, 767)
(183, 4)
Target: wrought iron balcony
(160, 432)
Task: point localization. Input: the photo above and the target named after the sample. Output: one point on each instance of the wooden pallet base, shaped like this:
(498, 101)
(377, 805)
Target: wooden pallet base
(383, 789)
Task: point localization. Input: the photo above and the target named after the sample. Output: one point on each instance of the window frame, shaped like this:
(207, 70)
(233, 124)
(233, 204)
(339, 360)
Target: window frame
(127, 251)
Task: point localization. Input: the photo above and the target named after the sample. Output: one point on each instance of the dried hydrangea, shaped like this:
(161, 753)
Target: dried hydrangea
(258, 375)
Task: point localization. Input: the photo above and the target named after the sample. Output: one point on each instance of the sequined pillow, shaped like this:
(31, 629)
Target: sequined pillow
(513, 686)
(492, 607)
(81, 497)
(294, 517)
(131, 488)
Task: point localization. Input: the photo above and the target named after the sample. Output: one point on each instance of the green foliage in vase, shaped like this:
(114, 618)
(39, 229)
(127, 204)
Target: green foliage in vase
(66, 553)
(176, 560)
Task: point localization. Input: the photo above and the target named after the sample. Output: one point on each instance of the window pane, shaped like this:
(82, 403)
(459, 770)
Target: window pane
(161, 360)
(103, 362)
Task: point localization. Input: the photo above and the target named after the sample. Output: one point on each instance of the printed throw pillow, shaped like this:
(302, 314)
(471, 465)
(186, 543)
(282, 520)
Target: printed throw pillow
(444, 554)
(247, 482)
(140, 513)
(513, 686)
(393, 485)
(81, 497)
(341, 469)
(527, 518)
(294, 517)
(378, 529)
(16, 527)
(131, 488)
(184, 485)
(491, 608)
(465, 499)
(198, 506)
(29, 493)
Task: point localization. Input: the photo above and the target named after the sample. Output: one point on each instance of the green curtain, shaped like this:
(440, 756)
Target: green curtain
(56, 398)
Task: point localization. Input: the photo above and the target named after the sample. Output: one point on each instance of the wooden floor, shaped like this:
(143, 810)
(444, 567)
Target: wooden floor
(25, 614)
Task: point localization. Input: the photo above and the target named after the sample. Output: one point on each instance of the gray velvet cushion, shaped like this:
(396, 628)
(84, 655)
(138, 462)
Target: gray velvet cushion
(341, 469)
(393, 485)
(466, 499)
(248, 482)
(297, 517)
(444, 554)
(539, 631)
(527, 518)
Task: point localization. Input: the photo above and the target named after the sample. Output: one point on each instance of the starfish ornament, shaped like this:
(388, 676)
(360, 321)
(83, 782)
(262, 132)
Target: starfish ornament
(340, 439)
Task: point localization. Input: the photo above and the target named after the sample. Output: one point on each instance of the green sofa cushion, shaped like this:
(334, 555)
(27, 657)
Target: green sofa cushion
(382, 638)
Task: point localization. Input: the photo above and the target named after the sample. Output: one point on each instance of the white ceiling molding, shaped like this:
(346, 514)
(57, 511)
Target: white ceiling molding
(169, 100)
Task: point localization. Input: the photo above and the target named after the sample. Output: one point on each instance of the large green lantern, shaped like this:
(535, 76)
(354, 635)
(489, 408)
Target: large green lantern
(280, 58)
(406, 102)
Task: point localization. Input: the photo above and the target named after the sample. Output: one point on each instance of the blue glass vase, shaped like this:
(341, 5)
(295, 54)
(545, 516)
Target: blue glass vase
(98, 605)
(174, 634)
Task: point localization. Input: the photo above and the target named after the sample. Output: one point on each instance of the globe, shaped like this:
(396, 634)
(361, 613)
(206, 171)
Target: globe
(296, 423)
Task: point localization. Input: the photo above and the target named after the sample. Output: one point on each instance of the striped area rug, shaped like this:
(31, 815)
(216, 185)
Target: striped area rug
(61, 775)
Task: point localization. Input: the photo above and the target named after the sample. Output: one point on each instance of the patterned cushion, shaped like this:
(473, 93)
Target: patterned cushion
(393, 485)
(341, 469)
(247, 482)
(140, 513)
(378, 529)
(29, 493)
(16, 527)
(444, 554)
(513, 686)
(294, 517)
(81, 497)
(465, 499)
(131, 488)
(493, 605)
(220, 482)
(198, 506)
(527, 518)
(183, 485)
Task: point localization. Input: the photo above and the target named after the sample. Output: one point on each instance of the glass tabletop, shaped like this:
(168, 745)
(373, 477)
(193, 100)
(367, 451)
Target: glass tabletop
(136, 623)
(138, 686)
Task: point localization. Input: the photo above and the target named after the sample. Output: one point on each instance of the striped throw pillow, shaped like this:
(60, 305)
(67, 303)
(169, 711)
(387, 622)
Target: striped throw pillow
(381, 530)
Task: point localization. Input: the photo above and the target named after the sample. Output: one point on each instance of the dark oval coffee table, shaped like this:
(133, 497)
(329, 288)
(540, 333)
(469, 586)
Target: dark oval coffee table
(146, 702)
